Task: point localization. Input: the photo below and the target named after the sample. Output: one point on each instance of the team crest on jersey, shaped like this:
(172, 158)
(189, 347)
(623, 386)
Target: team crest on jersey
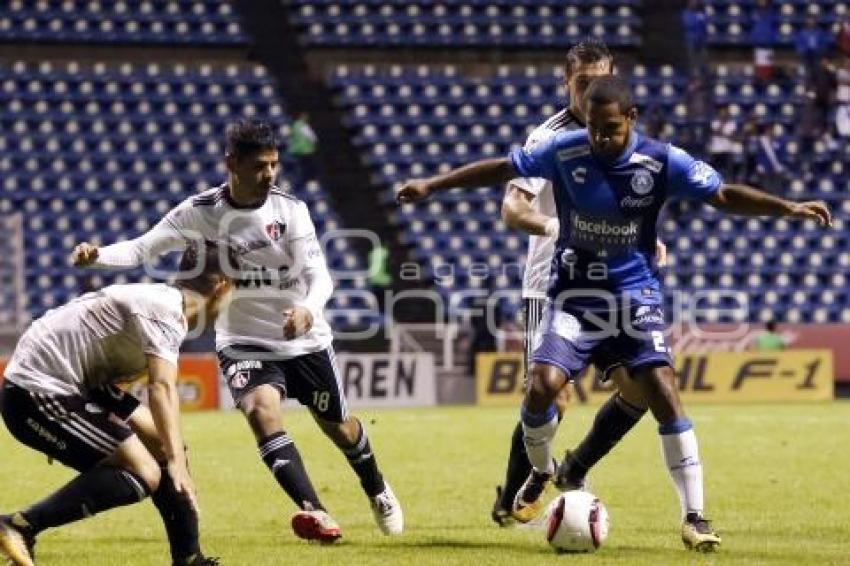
(275, 230)
(642, 181)
(240, 379)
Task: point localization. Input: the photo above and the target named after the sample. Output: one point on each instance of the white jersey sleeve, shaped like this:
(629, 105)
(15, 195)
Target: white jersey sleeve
(160, 326)
(158, 338)
(170, 234)
(305, 249)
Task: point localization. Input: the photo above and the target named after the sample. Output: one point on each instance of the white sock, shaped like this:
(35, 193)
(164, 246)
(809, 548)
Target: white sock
(538, 432)
(681, 453)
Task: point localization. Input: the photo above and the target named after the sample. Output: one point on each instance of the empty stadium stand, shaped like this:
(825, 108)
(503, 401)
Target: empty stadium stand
(468, 23)
(101, 152)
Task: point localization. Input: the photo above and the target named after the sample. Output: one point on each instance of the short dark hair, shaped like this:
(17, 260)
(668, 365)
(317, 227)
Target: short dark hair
(770, 325)
(606, 90)
(587, 52)
(204, 264)
(250, 136)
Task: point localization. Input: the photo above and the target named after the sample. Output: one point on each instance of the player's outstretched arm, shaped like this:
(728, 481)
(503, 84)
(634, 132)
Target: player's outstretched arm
(165, 407)
(481, 173)
(518, 214)
(170, 234)
(748, 201)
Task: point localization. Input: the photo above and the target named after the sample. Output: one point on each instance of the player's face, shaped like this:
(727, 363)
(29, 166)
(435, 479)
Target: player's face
(583, 75)
(255, 173)
(608, 128)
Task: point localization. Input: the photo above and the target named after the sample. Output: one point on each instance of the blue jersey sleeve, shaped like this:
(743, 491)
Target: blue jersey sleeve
(536, 161)
(690, 178)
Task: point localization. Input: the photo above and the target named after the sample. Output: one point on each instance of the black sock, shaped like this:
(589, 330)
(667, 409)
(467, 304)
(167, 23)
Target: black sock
(362, 460)
(613, 420)
(281, 456)
(99, 489)
(179, 518)
(518, 468)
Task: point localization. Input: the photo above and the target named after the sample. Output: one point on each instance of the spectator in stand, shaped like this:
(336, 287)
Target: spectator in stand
(655, 123)
(842, 39)
(302, 147)
(770, 340)
(811, 43)
(695, 25)
(842, 98)
(700, 105)
(764, 24)
(772, 173)
(749, 143)
(724, 144)
(379, 278)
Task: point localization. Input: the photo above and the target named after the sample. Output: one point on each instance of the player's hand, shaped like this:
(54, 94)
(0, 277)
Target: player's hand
(413, 190)
(660, 253)
(812, 210)
(84, 255)
(183, 483)
(297, 321)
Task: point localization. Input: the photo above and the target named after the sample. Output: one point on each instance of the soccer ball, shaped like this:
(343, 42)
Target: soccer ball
(577, 522)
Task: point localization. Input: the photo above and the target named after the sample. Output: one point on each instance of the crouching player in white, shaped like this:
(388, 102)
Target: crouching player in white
(272, 340)
(59, 397)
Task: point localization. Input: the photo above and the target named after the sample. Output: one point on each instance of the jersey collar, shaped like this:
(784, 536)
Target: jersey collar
(225, 189)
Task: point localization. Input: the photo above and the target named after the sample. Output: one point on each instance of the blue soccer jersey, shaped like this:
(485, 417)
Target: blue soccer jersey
(605, 256)
(609, 209)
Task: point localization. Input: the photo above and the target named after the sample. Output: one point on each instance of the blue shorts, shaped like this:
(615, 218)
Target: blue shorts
(631, 336)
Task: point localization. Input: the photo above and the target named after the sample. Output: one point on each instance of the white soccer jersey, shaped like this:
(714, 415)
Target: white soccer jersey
(538, 261)
(98, 339)
(280, 265)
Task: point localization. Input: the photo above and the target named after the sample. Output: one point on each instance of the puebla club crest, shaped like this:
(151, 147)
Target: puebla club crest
(642, 181)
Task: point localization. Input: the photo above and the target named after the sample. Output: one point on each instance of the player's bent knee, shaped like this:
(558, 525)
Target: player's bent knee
(547, 381)
(546, 384)
(342, 433)
(628, 389)
(261, 408)
(131, 455)
(150, 473)
(660, 389)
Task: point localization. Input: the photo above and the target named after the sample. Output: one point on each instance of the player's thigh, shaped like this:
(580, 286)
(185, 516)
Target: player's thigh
(257, 384)
(562, 348)
(71, 429)
(314, 380)
(247, 368)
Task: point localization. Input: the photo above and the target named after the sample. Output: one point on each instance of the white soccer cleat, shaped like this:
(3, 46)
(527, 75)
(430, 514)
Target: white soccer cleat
(387, 512)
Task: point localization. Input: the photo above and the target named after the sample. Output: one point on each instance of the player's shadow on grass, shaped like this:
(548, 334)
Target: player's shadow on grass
(457, 544)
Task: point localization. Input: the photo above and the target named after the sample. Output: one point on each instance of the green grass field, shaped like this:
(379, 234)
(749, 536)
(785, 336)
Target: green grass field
(776, 475)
